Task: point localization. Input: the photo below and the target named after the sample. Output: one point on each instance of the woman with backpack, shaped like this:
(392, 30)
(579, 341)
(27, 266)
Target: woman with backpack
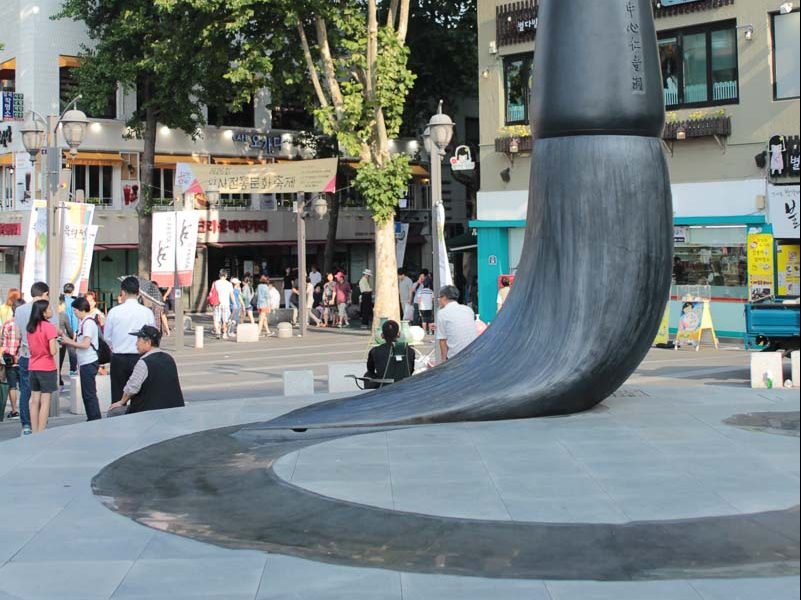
(86, 344)
(42, 375)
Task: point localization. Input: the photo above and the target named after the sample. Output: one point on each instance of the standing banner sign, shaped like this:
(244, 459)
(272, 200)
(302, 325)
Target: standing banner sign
(696, 317)
(445, 277)
(77, 218)
(174, 239)
(663, 335)
(788, 258)
(91, 236)
(760, 266)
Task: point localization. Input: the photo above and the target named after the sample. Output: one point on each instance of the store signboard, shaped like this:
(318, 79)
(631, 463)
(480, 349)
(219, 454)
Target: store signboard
(783, 210)
(680, 234)
(760, 266)
(12, 105)
(788, 271)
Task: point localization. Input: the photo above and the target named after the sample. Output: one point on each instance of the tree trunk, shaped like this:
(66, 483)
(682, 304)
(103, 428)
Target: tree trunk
(331, 240)
(387, 299)
(145, 208)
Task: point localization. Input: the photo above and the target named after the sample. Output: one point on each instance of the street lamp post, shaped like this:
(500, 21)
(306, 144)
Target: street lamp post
(436, 138)
(40, 134)
(319, 209)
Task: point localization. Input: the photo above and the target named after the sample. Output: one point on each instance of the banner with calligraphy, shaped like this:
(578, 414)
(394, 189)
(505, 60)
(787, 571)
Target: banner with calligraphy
(784, 204)
(91, 236)
(34, 267)
(280, 178)
(77, 218)
(174, 246)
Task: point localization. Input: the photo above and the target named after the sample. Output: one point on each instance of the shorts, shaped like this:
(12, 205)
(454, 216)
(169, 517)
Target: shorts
(427, 316)
(44, 381)
(222, 313)
(12, 377)
(343, 310)
(264, 310)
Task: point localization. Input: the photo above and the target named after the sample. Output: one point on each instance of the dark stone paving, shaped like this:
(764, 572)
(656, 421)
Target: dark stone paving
(219, 487)
(779, 423)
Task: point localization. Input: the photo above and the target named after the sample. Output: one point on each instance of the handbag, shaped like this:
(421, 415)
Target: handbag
(213, 298)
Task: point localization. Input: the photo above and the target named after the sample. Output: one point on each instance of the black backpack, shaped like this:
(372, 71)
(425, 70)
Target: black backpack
(103, 349)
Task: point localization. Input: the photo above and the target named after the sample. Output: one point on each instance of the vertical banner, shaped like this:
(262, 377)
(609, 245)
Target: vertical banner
(76, 220)
(788, 259)
(445, 277)
(34, 267)
(91, 236)
(174, 247)
(401, 238)
(760, 266)
(24, 184)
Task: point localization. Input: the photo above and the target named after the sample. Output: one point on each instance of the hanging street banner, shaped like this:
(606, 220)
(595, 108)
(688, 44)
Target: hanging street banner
(174, 245)
(34, 268)
(401, 237)
(760, 266)
(91, 236)
(280, 178)
(445, 277)
(77, 219)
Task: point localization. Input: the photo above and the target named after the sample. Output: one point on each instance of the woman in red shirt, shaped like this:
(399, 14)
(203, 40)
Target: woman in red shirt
(43, 346)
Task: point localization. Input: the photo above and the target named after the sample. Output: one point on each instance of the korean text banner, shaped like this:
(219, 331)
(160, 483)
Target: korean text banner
(760, 266)
(174, 243)
(77, 219)
(280, 178)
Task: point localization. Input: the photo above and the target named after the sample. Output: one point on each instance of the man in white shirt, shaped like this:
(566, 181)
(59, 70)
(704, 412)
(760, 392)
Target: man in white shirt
(315, 276)
(405, 291)
(121, 321)
(456, 323)
(225, 297)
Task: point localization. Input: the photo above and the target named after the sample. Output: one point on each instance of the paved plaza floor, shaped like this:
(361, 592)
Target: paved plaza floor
(657, 451)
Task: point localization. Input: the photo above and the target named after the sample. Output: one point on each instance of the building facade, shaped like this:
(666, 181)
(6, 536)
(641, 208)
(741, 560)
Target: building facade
(245, 233)
(730, 70)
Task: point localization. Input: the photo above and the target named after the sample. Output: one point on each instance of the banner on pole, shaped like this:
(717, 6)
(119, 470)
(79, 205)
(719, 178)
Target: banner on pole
(76, 221)
(34, 267)
(401, 238)
(174, 246)
(91, 236)
(279, 178)
(445, 277)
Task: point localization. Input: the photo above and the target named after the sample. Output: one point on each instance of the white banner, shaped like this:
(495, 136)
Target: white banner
(445, 277)
(401, 237)
(23, 172)
(91, 236)
(77, 218)
(34, 268)
(783, 208)
(174, 243)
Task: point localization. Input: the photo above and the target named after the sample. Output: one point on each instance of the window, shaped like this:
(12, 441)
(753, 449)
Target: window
(517, 87)
(786, 63)
(7, 182)
(699, 65)
(68, 90)
(244, 117)
(96, 183)
(8, 75)
(161, 185)
(235, 200)
(714, 256)
(10, 261)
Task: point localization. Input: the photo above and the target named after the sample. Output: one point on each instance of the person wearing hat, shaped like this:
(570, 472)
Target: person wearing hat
(154, 383)
(366, 298)
(456, 323)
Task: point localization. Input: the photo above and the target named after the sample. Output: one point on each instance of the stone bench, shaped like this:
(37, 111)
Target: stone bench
(337, 377)
(103, 383)
(279, 315)
(299, 383)
(247, 333)
(764, 364)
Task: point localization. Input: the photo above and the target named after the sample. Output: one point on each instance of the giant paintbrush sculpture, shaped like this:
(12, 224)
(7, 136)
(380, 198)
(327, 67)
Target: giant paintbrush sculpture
(595, 269)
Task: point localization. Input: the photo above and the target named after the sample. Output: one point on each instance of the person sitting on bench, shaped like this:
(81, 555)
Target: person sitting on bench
(391, 361)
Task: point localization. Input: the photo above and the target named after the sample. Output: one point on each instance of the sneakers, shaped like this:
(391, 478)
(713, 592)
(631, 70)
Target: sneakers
(27, 430)
(12, 415)
(73, 373)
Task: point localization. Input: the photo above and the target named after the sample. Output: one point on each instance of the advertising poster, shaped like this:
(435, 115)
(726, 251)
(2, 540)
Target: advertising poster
(788, 259)
(690, 320)
(663, 335)
(784, 207)
(77, 218)
(760, 266)
(91, 236)
(174, 246)
(34, 268)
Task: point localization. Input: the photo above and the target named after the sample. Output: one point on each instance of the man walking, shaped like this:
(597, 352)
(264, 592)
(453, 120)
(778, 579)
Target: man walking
(456, 323)
(122, 319)
(225, 302)
(405, 292)
(39, 291)
(154, 383)
(366, 298)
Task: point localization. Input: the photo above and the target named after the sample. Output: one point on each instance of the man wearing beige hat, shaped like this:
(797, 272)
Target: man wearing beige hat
(366, 298)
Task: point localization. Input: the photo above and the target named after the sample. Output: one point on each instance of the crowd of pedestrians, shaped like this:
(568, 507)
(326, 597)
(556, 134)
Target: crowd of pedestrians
(34, 342)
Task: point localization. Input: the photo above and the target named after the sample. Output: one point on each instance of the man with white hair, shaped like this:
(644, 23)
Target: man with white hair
(456, 323)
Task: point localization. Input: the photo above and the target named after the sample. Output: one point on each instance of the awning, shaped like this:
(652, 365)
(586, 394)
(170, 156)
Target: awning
(69, 61)
(6, 160)
(462, 243)
(10, 64)
(116, 246)
(170, 160)
(239, 160)
(94, 159)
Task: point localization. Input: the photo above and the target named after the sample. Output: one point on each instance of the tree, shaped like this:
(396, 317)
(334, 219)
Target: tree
(179, 56)
(354, 56)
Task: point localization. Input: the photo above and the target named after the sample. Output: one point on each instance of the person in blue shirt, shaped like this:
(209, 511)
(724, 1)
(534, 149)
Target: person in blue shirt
(70, 322)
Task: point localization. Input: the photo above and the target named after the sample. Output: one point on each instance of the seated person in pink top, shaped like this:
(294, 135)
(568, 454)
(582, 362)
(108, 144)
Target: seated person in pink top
(43, 346)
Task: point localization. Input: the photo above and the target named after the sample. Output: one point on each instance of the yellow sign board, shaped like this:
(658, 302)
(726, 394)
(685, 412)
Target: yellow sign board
(663, 335)
(695, 319)
(760, 266)
(788, 259)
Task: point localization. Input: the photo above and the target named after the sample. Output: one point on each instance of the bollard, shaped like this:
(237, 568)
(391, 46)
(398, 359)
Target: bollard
(198, 336)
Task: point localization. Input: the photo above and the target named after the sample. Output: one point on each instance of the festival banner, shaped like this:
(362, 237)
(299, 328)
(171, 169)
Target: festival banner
(77, 218)
(34, 267)
(788, 260)
(91, 236)
(445, 277)
(279, 178)
(24, 184)
(401, 237)
(174, 243)
(760, 266)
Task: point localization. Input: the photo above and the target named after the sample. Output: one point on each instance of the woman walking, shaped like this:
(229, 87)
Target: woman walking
(247, 297)
(43, 346)
(263, 304)
(88, 340)
(7, 308)
(237, 306)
